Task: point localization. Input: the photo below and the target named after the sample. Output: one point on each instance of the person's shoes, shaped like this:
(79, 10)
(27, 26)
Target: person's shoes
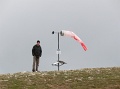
(37, 71)
(33, 70)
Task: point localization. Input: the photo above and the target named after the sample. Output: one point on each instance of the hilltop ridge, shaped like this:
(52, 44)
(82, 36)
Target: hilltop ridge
(88, 78)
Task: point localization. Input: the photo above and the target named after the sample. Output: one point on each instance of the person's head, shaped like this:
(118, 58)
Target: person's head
(38, 42)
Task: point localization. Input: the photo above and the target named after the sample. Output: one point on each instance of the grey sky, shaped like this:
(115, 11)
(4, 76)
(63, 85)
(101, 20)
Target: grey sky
(22, 22)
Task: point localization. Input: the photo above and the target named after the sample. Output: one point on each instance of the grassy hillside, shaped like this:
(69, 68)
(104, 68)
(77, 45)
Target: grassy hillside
(95, 78)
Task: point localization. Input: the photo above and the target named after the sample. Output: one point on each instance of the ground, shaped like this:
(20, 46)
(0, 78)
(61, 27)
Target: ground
(89, 78)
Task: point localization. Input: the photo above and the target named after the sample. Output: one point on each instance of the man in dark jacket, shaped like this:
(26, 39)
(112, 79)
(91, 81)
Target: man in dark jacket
(37, 53)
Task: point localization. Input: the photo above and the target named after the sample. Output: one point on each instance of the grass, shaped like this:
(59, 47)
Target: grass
(91, 78)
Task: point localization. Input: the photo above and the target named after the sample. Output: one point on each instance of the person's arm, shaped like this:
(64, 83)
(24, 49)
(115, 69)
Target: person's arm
(40, 51)
(33, 51)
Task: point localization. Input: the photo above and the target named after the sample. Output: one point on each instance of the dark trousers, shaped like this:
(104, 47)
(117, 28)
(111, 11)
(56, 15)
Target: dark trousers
(35, 63)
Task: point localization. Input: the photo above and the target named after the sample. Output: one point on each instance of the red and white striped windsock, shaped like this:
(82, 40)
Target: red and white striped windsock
(74, 36)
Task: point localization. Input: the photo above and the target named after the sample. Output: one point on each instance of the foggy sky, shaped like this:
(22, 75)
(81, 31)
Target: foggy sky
(23, 22)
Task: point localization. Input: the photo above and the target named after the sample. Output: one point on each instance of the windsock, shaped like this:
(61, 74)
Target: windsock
(74, 36)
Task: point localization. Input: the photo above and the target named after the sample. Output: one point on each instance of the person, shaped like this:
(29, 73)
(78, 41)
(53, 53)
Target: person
(37, 53)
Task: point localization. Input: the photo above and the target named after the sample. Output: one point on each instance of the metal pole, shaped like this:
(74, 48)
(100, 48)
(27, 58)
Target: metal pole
(58, 52)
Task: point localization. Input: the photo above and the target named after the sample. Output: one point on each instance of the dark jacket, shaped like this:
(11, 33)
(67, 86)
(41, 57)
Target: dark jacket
(37, 51)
